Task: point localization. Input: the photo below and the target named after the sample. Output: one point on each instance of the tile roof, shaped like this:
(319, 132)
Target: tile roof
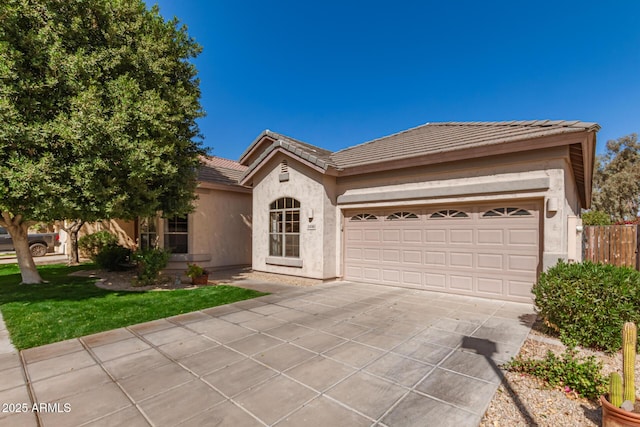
(430, 138)
(220, 171)
(433, 138)
(315, 155)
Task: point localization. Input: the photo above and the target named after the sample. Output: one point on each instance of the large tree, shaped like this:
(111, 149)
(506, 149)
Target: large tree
(617, 179)
(98, 109)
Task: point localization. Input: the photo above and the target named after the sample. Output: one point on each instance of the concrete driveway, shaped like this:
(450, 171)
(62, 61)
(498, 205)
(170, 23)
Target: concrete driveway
(337, 354)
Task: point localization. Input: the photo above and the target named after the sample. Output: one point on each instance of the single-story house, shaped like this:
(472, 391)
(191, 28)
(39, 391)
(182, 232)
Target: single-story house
(477, 208)
(216, 235)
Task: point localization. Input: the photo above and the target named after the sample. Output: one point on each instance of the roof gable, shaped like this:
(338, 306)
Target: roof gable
(270, 142)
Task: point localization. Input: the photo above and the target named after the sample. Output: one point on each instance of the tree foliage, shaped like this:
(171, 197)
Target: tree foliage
(98, 105)
(594, 217)
(617, 179)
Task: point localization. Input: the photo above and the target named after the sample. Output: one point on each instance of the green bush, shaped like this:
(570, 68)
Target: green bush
(150, 263)
(582, 375)
(113, 258)
(588, 303)
(92, 244)
(596, 218)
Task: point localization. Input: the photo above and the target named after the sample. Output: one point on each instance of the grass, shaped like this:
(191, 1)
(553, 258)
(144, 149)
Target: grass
(69, 306)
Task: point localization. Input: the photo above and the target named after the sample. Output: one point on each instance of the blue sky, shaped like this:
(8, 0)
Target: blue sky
(339, 73)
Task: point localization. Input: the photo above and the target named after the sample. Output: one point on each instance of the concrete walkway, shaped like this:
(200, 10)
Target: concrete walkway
(337, 354)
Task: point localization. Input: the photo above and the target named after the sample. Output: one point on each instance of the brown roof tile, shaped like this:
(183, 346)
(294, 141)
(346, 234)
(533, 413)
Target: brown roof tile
(433, 138)
(220, 171)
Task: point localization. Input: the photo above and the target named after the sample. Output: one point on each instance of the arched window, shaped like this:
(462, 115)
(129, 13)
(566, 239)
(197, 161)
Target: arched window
(284, 228)
(402, 215)
(364, 217)
(497, 212)
(448, 213)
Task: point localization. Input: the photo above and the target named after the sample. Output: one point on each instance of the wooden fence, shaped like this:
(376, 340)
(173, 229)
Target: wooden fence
(612, 244)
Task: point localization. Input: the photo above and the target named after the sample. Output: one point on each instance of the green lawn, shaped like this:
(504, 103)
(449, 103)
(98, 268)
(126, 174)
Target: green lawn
(70, 306)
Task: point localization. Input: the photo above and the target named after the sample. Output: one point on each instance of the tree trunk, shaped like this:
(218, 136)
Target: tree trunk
(19, 230)
(73, 258)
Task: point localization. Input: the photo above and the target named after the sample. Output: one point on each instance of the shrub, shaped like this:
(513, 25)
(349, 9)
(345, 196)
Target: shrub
(150, 263)
(582, 375)
(596, 218)
(194, 270)
(588, 303)
(113, 258)
(92, 244)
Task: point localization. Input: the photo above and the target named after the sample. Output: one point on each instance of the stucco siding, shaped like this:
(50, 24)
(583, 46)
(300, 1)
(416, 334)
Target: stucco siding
(220, 226)
(317, 218)
(537, 175)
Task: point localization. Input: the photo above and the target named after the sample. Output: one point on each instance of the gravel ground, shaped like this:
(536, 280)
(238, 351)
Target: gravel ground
(522, 400)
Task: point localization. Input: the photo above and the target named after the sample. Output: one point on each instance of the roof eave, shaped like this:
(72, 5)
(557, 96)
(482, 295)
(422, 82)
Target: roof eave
(468, 153)
(237, 188)
(291, 151)
(272, 136)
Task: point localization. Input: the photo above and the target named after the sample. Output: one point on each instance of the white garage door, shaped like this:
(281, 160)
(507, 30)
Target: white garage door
(481, 250)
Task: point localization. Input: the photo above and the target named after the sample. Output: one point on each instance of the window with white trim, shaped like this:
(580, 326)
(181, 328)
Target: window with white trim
(284, 228)
(498, 212)
(449, 213)
(402, 215)
(176, 234)
(364, 217)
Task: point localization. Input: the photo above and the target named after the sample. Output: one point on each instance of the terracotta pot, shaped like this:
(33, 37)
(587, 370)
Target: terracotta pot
(200, 280)
(616, 417)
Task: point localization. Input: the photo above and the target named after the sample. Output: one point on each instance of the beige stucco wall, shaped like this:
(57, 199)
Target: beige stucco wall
(316, 194)
(220, 227)
(219, 231)
(573, 211)
(544, 176)
(506, 177)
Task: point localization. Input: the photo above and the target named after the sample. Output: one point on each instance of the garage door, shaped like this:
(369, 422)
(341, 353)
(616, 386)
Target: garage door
(480, 250)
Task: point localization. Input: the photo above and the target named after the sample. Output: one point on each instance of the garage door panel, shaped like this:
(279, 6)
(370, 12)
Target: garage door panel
(491, 237)
(371, 236)
(522, 262)
(527, 237)
(461, 236)
(391, 236)
(490, 286)
(391, 275)
(463, 283)
(353, 272)
(435, 236)
(461, 259)
(519, 289)
(371, 274)
(353, 254)
(391, 255)
(371, 255)
(412, 236)
(435, 258)
(495, 256)
(412, 278)
(354, 235)
(435, 280)
(412, 257)
(490, 261)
